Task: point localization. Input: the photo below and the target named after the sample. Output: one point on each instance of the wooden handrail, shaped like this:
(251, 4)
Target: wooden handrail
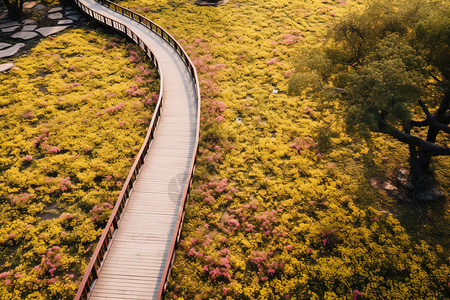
(111, 227)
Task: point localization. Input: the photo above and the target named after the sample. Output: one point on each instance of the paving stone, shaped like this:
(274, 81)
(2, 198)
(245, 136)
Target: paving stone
(46, 31)
(6, 67)
(54, 9)
(11, 50)
(64, 22)
(29, 21)
(3, 16)
(39, 7)
(9, 24)
(24, 35)
(75, 17)
(29, 5)
(4, 45)
(55, 16)
(72, 12)
(10, 29)
(29, 27)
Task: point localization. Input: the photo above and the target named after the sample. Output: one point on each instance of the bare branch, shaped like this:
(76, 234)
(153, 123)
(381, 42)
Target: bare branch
(432, 120)
(419, 123)
(447, 119)
(425, 109)
(433, 149)
(340, 90)
(435, 78)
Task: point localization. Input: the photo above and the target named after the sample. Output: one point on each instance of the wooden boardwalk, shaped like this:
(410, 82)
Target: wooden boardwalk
(135, 262)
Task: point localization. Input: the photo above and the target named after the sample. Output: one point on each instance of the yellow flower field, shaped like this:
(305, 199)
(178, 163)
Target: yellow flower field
(282, 205)
(74, 113)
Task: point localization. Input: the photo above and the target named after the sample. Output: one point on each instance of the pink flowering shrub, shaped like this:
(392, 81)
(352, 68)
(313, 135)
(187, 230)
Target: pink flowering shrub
(115, 108)
(305, 144)
(27, 158)
(218, 267)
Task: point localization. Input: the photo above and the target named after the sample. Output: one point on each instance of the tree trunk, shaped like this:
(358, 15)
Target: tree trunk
(421, 185)
(14, 8)
(440, 116)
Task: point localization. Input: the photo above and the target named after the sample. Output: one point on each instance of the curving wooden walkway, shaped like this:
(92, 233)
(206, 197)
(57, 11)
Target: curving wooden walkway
(136, 258)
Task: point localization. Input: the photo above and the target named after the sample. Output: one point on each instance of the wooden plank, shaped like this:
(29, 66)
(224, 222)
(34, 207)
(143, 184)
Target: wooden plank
(135, 261)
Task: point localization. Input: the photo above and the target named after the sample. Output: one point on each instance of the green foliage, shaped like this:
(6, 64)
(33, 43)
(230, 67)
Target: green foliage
(74, 113)
(388, 83)
(390, 65)
(432, 36)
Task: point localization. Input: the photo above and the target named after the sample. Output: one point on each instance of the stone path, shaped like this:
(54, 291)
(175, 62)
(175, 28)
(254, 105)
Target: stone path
(15, 34)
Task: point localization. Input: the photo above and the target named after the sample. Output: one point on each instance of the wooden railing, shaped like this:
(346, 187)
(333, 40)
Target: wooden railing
(92, 272)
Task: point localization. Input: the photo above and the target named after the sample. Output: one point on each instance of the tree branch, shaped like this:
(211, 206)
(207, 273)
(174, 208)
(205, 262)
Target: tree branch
(432, 120)
(447, 119)
(423, 123)
(433, 149)
(340, 90)
(425, 109)
(435, 78)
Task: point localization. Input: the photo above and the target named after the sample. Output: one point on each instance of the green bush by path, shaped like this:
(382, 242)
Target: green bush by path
(73, 114)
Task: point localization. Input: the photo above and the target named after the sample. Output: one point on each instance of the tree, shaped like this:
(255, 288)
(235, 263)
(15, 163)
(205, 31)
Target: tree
(14, 7)
(388, 63)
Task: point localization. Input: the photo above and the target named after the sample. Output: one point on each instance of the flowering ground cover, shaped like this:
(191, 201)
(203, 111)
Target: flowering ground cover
(283, 206)
(74, 113)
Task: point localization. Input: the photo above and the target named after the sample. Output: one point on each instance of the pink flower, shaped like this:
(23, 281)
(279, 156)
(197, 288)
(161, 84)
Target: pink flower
(272, 61)
(356, 293)
(27, 158)
(54, 150)
(7, 281)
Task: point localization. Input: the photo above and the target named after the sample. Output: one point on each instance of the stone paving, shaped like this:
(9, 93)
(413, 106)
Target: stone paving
(14, 34)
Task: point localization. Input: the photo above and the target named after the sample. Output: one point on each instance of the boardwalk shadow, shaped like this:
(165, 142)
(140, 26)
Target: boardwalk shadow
(175, 187)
